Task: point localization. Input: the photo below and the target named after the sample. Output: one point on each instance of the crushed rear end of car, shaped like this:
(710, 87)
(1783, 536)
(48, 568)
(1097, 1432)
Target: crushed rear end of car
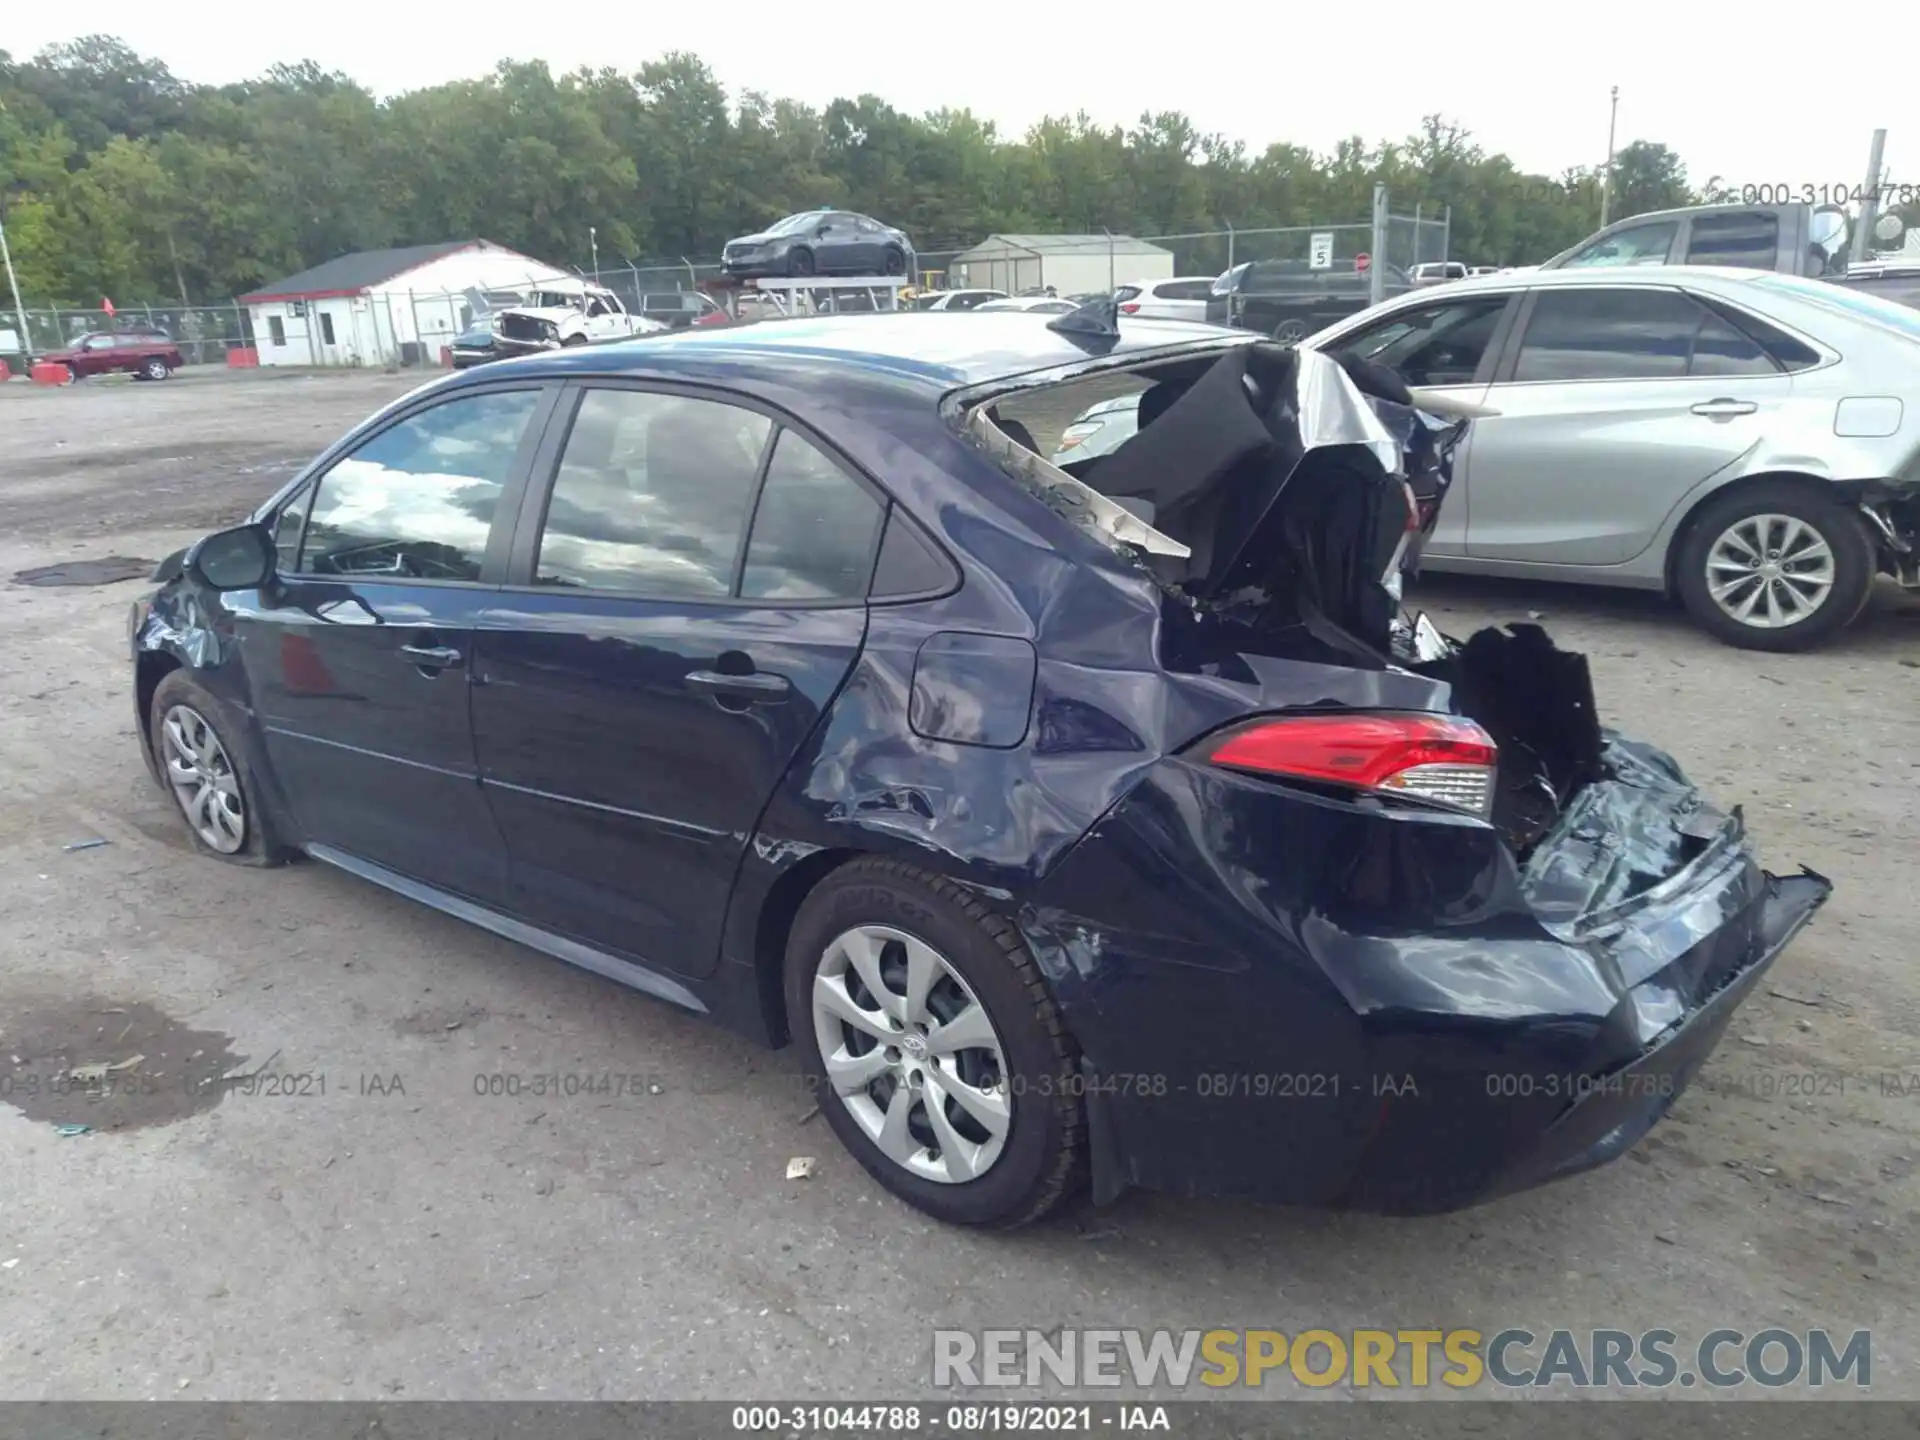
(1398, 925)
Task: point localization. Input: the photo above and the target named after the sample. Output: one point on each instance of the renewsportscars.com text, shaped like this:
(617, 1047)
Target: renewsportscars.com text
(1460, 1359)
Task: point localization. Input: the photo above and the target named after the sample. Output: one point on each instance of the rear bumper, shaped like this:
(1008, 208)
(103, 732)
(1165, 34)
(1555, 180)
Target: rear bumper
(1378, 1022)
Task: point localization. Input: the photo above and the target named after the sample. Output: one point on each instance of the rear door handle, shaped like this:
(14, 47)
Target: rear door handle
(435, 657)
(755, 686)
(1724, 409)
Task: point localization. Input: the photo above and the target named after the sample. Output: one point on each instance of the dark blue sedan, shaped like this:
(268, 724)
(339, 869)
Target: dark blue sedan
(1111, 826)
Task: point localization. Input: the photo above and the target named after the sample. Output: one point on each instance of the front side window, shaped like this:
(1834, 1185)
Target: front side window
(1432, 344)
(417, 500)
(1636, 245)
(652, 495)
(1593, 334)
(813, 530)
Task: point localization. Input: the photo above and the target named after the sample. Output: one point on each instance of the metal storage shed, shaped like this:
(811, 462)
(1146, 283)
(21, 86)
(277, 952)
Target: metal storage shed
(1070, 264)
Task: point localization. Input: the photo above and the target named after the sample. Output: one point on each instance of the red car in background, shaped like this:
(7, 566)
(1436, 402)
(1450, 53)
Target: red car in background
(148, 354)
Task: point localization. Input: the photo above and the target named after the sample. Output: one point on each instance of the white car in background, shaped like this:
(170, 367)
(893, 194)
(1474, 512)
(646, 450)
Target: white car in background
(1099, 429)
(562, 313)
(1183, 297)
(957, 299)
(1032, 304)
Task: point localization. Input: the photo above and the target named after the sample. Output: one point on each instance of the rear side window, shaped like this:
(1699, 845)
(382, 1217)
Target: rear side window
(652, 495)
(1183, 289)
(1126, 292)
(417, 500)
(1609, 334)
(814, 529)
(1750, 240)
(1635, 335)
(1787, 352)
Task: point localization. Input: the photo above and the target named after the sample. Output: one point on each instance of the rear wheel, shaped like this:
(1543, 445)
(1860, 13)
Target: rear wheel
(155, 369)
(1775, 567)
(573, 340)
(1288, 332)
(934, 1045)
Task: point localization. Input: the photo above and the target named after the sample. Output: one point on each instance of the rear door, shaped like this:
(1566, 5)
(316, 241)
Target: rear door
(360, 659)
(1614, 402)
(1451, 345)
(685, 603)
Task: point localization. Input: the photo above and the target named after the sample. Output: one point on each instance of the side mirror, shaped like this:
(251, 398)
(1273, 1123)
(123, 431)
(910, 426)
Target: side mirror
(238, 559)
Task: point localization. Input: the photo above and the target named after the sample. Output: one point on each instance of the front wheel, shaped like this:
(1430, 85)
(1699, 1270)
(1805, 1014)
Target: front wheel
(201, 756)
(572, 340)
(799, 262)
(934, 1045)
(1289, 332)
(896, 261)
(1775, 567)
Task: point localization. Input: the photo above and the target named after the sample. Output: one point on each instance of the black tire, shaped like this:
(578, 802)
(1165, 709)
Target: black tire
(896, 261)
(261, 846)
(1290, 332)
(1042, 1161)
(573, 340)
(155, 369)
(799, 261)
(1843, 531)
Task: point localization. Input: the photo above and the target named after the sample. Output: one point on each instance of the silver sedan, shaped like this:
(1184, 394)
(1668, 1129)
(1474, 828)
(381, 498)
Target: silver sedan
(1745, 441)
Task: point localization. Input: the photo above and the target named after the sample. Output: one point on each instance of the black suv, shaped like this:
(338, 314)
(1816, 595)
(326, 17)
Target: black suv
(1289, 300)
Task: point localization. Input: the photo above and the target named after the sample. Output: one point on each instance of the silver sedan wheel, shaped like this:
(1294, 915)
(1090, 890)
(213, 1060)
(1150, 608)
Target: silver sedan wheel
(912, 1054)
(203, 780)
(1770, 571)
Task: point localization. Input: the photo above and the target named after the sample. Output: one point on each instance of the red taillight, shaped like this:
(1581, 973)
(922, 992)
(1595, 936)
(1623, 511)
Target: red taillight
(1442, 759)
(1132, 307)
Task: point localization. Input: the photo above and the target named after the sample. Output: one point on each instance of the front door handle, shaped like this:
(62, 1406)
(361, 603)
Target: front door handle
(1724, 409)
(432, 657)
(757, 686)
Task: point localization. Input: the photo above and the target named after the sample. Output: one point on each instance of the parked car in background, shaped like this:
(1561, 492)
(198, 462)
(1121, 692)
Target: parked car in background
(1437, 272)
(1183, 297)
(765, 672)
(956, 299)
(677, 309)
(1289, 300)
(146, 354)
(476, 345)
(1746, 441)
(1032, 304)
(820, 242)
(1100, 429)
(1792, 239)
(561, 313)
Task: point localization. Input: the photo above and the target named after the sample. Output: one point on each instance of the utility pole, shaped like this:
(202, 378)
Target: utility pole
(593, 243)
(1606, 175)
(19, 310)
(1870, 204)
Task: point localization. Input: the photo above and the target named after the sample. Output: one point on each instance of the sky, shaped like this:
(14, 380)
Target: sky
(1753, 103)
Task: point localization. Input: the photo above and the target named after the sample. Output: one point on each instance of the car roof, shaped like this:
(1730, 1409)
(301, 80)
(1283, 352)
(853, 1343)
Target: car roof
(1589, 275)
(938, 351)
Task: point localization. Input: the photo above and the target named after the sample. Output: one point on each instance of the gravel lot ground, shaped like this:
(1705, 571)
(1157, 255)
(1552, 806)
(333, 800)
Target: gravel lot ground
(411, 1238)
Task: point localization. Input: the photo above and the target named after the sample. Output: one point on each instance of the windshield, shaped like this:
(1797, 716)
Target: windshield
(1843, 300)
(796, 224)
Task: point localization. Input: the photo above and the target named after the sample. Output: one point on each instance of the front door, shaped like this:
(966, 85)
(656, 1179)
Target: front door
(1617, 403)
(360, 657)
(1444, 345)
(682, 617)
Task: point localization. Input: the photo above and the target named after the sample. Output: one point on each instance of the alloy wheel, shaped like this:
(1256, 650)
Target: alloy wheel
(203, 780)
(1289, 331)
(1770, 571)
(912, 1054)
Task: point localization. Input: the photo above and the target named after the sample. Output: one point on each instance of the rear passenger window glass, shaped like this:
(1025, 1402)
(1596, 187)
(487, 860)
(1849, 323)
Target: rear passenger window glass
(813, 531)
(417, 500)
(1750, 240)
(1590, 334)
(1126, 292)
(652, 495)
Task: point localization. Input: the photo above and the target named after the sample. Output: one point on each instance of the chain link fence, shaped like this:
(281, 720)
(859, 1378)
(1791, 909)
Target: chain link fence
(413, 329)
